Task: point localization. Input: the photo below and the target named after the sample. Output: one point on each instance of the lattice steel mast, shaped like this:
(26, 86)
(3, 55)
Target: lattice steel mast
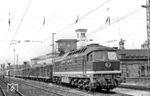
(147, 6)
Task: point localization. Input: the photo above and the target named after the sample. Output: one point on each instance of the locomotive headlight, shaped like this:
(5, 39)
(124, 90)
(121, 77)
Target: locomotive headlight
(107, 64)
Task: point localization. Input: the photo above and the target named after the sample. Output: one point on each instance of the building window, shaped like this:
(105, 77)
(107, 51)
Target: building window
(83, 35)
(142, 68)
(90, 57)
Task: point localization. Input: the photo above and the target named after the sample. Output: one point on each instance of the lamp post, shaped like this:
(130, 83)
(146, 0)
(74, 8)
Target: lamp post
(14, 62)
(9, 71)
(25, 63)
(17, 63)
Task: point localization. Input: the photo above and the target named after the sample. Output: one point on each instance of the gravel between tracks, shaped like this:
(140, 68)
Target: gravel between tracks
(4, 86)
(33, 88)
(49, 87)
(77, 91)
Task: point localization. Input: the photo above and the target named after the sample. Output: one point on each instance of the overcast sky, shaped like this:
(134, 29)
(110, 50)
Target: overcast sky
(27, 23)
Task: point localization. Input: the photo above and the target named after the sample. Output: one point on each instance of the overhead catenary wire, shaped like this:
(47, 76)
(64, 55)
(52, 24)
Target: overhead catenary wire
(80, 18)
(94, 9)
(10, 19)
(115, 20)
(18, 27)
(46, 21)
(127, 36)
(21, 20)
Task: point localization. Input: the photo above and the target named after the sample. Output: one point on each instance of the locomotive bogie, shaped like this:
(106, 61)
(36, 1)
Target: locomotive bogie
(92, 81)
(106, 81)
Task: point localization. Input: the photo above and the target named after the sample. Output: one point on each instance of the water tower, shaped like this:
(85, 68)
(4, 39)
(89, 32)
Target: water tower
(81, 37)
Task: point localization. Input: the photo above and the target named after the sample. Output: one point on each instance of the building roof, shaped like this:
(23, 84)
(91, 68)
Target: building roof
(133, 55)
(134, 52)
(66, 40)
(81, 30)
(90, 48)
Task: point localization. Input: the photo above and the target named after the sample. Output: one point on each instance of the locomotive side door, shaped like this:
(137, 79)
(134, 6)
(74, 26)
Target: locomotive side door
(84, 64)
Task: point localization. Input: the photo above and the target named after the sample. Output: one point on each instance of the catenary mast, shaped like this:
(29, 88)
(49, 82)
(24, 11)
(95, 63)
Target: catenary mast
(147, 6)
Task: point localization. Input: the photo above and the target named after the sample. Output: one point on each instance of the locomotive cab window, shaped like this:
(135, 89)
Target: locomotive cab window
(112, 55)
(90, 57)
(100, 55)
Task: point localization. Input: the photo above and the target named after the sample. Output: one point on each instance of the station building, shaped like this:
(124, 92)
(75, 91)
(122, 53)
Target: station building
(64, 45)
(134, 62)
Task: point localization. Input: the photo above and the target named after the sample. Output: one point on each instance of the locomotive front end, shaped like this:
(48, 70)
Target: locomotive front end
(106, 67)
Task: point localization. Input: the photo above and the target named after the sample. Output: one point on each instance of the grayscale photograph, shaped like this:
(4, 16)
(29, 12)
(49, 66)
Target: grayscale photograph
(74, 47)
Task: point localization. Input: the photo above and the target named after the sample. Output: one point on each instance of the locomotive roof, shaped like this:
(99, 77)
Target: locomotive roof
(89, 48)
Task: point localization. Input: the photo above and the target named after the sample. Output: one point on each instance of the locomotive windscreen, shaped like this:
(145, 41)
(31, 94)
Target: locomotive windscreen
(112, 56)
(102, 55)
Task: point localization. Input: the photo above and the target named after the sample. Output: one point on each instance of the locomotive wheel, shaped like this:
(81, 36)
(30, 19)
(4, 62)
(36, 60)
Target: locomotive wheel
(107, 90)
(83, 85)
(72, 83)
(80, 84)
(75, 82)
(90, 88)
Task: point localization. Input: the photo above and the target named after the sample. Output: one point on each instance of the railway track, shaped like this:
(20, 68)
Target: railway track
(53, 91)
(2, 93)
(50, 89)
(4, 88)
(68, 91)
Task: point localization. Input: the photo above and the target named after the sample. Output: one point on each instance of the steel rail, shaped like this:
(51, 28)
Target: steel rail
(54, 90)
(56, 93)
(3, 93)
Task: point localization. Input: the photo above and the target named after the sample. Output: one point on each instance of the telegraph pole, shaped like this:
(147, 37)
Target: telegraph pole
(17, 62)
(9, 71)
(25, 65)
(53, 54)
(14, 62)
(147, 6)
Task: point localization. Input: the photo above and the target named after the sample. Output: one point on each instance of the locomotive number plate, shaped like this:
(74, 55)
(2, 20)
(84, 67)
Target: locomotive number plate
(107, 64)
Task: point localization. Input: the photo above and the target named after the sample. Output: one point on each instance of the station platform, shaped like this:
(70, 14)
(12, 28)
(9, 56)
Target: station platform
(138, 86)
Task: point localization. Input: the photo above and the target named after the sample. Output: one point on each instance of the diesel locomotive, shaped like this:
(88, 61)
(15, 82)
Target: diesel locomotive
(94, 66)
(91, 67)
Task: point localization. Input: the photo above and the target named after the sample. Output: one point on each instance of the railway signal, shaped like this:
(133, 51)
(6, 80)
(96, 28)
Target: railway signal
(12, 87)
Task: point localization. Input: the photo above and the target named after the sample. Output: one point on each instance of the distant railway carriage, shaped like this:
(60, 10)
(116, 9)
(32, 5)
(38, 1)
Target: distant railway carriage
(42, 73)
(91, 67)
